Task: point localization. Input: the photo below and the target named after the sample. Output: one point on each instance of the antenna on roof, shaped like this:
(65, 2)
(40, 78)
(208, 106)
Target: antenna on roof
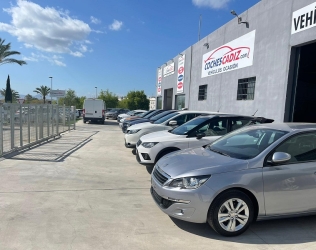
(255, 112)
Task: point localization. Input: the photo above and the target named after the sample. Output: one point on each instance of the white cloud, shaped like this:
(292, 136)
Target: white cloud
(46, 29)
(37, 57)
(95, 20)
(214, 4)
(116, 25)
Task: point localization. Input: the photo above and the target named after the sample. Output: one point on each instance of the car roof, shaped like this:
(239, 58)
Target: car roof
(290, 126)
(139, 110)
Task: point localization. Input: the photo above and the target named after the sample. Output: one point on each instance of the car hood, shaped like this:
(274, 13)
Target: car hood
(160, 136)
(199, 161)
(110, 113)
(141, 125)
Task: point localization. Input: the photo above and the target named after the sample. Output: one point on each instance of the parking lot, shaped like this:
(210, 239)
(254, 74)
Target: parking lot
(87, 191)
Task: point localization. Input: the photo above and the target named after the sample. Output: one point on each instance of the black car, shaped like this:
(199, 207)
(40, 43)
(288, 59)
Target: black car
(154, 116)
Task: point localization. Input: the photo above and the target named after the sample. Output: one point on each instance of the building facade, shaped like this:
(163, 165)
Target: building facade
(262, 64)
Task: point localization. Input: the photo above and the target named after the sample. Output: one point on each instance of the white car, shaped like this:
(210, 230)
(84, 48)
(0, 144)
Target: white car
(135, 132)
(197, 132)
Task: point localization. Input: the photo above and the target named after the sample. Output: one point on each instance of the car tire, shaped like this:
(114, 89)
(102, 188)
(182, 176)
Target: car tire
(160, 155)
(234, 223)
(84, 121)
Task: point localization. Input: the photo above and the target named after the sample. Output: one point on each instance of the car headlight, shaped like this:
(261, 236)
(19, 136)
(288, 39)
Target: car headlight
(193, 182)
(133, 131)
(149, 144)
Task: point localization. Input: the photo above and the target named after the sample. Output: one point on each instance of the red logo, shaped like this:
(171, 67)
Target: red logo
(229, 52)
(159, 79)
(180, 85)
(180, 70)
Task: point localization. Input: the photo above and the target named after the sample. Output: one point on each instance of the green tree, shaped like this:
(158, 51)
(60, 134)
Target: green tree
(42, 90)
(5, 52)
(30, 99)
(123, 104)
(15, 94)
(71, 99)
(137, 100)
(110, 99)
(8, 91)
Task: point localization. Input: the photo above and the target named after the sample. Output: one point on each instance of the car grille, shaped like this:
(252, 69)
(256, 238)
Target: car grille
(138, 143)
(161, 201)
(159, 177)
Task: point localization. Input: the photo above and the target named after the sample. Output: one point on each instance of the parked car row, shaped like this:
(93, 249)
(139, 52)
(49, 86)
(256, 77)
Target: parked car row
(225, 169)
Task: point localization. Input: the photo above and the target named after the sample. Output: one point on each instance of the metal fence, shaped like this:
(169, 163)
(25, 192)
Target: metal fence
(23, 125)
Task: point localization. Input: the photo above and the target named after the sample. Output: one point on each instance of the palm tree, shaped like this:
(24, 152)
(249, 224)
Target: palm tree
(5, 53)
(15, 94)
(43, 90)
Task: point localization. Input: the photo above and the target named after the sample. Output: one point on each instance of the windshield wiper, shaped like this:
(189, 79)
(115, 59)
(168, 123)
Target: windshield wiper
(221, 153)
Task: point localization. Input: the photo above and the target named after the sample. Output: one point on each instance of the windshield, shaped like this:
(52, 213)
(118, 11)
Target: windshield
(130, 112)
(160, 115)
(246, 143)
(185, 128)
(165, 118)
(150, 113)
(142, 114)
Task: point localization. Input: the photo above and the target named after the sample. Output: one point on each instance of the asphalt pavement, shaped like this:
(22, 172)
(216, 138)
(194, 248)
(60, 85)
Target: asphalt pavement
(86, 191)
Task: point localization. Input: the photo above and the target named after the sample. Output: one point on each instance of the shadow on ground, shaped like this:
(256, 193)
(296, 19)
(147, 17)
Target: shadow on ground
(55, 150)
(281, 231)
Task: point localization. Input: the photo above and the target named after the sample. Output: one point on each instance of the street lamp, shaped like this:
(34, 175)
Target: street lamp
(96, 92)
(51, 87)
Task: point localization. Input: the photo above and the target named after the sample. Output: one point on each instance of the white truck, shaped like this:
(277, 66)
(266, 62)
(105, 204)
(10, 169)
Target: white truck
(93, 110)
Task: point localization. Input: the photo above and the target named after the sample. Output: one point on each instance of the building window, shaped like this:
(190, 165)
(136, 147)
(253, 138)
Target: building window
(246, 88)
(202, 92)
(180, 102)
(159, 102)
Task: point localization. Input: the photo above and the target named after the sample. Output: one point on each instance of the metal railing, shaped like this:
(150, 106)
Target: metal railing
(23, 125)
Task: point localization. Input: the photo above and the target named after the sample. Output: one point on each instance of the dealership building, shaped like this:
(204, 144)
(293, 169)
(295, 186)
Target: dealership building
(262, 62)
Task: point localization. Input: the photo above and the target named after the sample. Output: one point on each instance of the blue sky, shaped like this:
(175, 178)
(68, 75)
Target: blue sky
(108, 44)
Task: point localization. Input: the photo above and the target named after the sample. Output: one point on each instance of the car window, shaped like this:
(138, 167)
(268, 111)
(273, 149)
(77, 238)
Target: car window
(165, 118)
(189, 126)
(214, 127)
(237, 123)
(181, 119)
(301, 147)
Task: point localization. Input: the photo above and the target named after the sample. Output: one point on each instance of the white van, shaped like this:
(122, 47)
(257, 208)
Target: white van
(93, 110)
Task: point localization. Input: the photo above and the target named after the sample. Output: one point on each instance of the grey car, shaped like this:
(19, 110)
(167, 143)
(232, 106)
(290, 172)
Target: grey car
(254, 173)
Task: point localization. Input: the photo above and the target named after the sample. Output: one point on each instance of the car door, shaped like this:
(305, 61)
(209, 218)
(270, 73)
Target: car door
(291, 187)
(213, 129)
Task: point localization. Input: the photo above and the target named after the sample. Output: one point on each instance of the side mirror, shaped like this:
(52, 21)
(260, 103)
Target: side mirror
(280, 157)
(200, 135)
(173, 123)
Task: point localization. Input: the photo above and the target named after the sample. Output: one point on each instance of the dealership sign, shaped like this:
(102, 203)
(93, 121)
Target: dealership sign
(234, 55)
(304, 18)
(168, 70)
(159, 82)
(57, 93)
(180, 78)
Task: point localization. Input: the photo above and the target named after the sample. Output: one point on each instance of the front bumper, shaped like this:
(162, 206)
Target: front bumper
(183, 204)
(131, 139)
(147, 156)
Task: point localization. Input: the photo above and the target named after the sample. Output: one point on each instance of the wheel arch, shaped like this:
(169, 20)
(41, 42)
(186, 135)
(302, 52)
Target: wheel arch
(248, 193)
(163, 151)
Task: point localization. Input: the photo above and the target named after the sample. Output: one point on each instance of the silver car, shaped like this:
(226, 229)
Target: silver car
(254, 173)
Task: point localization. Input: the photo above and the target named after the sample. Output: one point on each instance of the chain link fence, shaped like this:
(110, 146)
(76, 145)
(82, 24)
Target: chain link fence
(23, 125)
